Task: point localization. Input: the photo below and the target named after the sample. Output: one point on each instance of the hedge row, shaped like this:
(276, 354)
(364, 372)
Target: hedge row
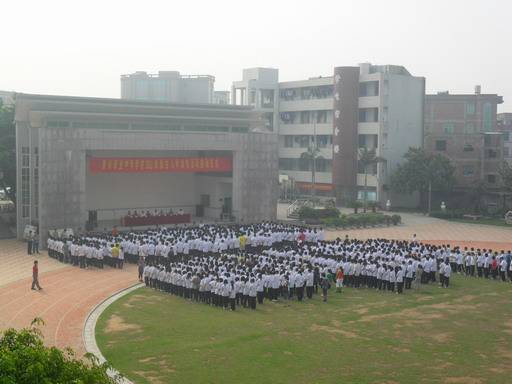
(362, 220)
(306, 213)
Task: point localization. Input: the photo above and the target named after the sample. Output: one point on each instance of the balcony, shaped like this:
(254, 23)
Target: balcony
(372, 128)
(306, 105)
(305, 176)
(371, 180)
(295, 153)
(369, 102)
(305, 129)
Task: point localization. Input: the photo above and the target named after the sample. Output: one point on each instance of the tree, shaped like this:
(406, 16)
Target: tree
(368, 157)
(8, 151)
(24, 359)
(312, 155)
(506, 176)
(423, 172)
(506, 180)
(476, 195)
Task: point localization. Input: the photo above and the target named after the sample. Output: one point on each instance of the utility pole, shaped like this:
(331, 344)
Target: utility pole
(429, 196)
(314, 153)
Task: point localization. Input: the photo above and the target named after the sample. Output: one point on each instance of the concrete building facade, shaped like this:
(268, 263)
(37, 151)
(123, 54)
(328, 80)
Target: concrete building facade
(58, 137)
(463, 127)
(378, 107)
(505, 127)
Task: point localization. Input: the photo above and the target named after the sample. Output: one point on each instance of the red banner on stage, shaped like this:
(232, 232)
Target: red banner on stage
(159, 164)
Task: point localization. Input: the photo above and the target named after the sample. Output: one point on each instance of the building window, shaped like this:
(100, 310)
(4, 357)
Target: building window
(321, 117)
(288, 141)
(467, 171)
(491, 154)
(487, 140)
(304, 117)
(287, 117)
(470, 108)
(506, 136)
(468, 148)
(369, 88)
(368, 115)
(491, 179)
(487, 117)
(505, 152)
(469, 128)
(448, 127)
(322, 141)
(440, 145)
(370, 195)
(304, 164)
(303, 141)
(267, 96)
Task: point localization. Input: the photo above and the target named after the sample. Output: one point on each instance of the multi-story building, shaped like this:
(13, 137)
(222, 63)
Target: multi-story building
(168, 86)
(378, 107)
(463, 127)
(221, 97)
(505, 127)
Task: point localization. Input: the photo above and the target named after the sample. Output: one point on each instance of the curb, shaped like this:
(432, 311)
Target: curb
(88, 332)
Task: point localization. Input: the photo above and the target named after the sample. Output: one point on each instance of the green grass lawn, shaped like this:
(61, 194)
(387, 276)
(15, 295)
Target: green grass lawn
(458, 335)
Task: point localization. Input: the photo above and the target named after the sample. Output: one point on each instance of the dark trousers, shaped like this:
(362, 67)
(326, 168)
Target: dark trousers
(35, 282)
(29, 247)
(309, 292)
(300, 293)
(252, 302)
(446, 281)
(260, 297)
(400, 287)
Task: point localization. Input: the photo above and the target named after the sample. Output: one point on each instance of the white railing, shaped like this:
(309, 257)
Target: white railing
(296, 205)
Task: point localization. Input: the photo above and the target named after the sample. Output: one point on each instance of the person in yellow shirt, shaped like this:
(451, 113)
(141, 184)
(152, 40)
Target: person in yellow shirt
(115, 255)
(243, 241)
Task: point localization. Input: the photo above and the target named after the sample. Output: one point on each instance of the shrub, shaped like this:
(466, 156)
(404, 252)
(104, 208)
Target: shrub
(396, 219)
(25, 359)
(322, 213)
(355, 204)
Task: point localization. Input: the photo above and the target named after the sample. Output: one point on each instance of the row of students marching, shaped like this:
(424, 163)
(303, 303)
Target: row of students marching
(86, 254)
(157, 246)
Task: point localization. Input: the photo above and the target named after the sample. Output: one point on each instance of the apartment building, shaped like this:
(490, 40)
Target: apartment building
(172, 87)
(504, 123)
(463, 127)
(378, 107)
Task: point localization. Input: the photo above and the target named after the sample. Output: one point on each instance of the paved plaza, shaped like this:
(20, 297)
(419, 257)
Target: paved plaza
(70, 293)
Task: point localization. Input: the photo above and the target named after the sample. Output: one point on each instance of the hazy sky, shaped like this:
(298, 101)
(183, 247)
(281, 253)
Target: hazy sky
(77, 47)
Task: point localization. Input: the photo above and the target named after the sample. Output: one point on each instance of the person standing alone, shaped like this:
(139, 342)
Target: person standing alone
(35, 276)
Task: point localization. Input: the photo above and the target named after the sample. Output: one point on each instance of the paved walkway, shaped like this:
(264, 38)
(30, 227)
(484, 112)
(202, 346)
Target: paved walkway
(435, 231)
(15, 264)
(68, 295)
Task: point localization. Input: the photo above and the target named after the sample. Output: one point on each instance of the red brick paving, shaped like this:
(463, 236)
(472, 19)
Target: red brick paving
(68, 295)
